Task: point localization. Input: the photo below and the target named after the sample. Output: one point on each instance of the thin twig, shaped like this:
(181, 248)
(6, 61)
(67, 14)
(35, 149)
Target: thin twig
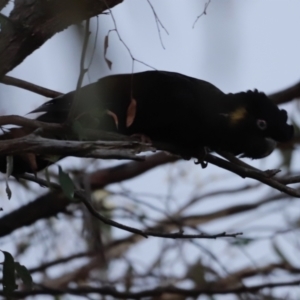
(203, 13)
(180, 235)
(30, 87)
(29, 123)
(95, 44)
(251, 173)
(79, 194)
(124, 44)
(158, 24)
(83, 70)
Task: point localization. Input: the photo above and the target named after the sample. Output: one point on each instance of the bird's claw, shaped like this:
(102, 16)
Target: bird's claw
(200, 160)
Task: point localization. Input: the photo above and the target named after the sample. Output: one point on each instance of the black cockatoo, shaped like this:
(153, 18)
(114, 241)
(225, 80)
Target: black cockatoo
(175, 109)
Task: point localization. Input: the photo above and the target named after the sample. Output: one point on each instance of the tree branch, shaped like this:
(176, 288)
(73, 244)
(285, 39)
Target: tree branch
(83, 70)
(31, 25)
(54, 202)
(80, 195)
(252, 173)
(33, 143)
(286, 95)
(156, 292)
(30, 87)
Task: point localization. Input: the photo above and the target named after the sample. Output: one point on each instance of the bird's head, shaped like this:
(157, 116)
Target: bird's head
(259, 123)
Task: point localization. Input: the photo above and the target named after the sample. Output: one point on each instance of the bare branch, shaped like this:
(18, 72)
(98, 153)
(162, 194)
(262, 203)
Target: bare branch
(289, 179)
(30, 87)
(79, 194)
(54, 202)
(83, 70)
(203, 13)
(29, 123)
(87, 149)
(254, 174)
(27, 29)
(286, 95)
(153, 292)
(180, 235)
(82, 197)
(56, 262)
(236, 277)
(103, 177)
(124, 44)
(158, 24)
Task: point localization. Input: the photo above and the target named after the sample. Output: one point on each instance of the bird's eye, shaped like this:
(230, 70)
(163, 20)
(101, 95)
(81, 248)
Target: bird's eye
(261, 124)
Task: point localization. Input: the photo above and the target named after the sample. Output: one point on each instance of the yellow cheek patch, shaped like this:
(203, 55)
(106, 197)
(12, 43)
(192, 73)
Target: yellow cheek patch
(237, 115)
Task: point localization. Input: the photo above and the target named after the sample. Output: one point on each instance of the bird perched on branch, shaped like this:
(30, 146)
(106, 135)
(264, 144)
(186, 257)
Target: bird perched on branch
(175, 109)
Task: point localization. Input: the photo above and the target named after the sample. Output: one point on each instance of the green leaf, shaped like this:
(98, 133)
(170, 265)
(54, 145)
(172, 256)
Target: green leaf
(9, 278)
(24, 274)
(196, 273)
(242, 242)
(66, 183)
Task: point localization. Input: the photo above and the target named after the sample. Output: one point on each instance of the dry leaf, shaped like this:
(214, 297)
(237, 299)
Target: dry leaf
(114, 116)
(30, 158)
(131, 112)
(108, 62)
(105, 44)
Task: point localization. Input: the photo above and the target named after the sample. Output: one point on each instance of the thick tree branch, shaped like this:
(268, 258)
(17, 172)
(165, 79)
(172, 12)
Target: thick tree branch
(33, 143)
(45, 206)
(32, 23)
(83, 70)
(103, 177)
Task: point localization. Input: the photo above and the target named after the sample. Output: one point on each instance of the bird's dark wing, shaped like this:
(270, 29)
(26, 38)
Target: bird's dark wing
(172, 108)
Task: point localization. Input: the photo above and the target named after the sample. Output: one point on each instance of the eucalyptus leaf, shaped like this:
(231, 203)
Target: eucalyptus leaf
(66, 183)
(9, 278)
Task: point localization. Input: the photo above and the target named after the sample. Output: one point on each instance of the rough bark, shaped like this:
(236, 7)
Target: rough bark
(32, 22)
